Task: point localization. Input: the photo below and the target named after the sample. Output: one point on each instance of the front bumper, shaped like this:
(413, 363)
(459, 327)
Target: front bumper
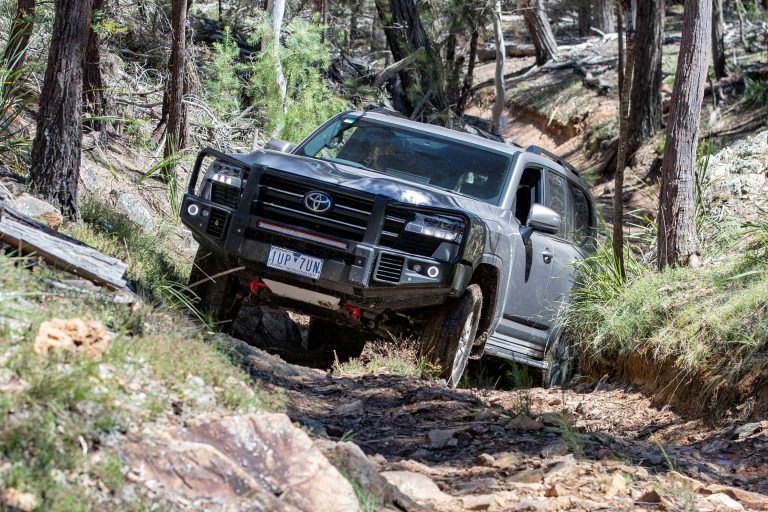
(361, 274)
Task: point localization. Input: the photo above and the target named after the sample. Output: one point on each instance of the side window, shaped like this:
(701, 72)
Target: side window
(557, 201)
(528, 193)
(581, 230)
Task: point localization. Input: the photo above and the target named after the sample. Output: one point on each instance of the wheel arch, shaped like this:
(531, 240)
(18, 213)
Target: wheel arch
(486, 275)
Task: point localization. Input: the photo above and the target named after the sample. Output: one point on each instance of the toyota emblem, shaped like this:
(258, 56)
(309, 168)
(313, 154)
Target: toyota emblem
(317, 202)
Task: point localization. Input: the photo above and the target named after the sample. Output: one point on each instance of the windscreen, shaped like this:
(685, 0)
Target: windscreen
(411, 155)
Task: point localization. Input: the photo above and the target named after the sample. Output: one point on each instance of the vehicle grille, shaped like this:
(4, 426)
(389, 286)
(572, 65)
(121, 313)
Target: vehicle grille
(225, 195)
(390, 267)
(282, 200)
(217, 222)
(327, 253)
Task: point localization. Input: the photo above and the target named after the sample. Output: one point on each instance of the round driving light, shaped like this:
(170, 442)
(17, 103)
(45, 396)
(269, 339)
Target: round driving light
(417, 268)
(193, 209)
(433, 272)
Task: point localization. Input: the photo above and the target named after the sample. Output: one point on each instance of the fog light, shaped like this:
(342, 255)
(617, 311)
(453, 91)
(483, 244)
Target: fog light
(433, 272)
(193, 209)
(417, 268)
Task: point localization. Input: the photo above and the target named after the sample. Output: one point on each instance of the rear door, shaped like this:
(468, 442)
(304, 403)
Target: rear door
(543, 270)
(559, 197)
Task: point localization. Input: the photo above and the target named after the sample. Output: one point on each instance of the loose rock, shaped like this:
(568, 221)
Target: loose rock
(75, 335)
(417, 486)
(39, 210)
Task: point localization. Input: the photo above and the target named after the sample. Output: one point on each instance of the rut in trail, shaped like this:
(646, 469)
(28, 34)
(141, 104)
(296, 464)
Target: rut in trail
(538, 449)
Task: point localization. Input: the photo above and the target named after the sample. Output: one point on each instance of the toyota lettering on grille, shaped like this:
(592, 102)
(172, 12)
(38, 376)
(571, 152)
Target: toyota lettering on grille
(317, 202)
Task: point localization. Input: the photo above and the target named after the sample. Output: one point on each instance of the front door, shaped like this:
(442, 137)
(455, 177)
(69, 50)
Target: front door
(524, 329)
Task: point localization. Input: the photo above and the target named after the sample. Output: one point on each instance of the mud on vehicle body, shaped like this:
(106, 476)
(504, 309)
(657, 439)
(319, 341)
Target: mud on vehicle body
(376, 224)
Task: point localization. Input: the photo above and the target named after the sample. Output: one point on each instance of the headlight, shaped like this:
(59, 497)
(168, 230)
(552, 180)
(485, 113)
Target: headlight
(219, 172)
(446, 228)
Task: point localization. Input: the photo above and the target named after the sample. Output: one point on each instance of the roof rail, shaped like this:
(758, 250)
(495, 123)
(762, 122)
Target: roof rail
(538, 150)
(386, 111)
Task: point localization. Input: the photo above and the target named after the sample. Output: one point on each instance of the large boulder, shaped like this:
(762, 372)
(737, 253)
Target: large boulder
(737, 178)
(134, 208)
(259, 459)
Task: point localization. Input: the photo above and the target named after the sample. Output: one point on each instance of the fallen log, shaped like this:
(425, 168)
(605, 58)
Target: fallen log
(59, 250)
(487, 52)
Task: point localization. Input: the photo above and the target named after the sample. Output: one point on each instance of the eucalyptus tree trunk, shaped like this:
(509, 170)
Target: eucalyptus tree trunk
(176, 131)
(501, 60)
(645, 99)
(718, 44)
(15, 51)
(621, 157)
(94, 102)
(678, 241)
(603, 15)
(405, 33)
(584, 17)
(277, 9)
(56, 150)
(536, 20)
(466, 87)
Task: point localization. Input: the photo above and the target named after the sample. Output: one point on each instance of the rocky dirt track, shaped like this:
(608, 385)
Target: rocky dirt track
(589, 448)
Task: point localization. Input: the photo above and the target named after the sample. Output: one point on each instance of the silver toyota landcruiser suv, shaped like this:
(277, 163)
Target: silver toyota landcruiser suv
(378, 225)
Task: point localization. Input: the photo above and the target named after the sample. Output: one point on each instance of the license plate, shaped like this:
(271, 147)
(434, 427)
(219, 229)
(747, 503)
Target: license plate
(294, 262)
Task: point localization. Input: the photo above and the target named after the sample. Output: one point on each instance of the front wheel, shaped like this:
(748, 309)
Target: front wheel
(448, 335)
(214, 287)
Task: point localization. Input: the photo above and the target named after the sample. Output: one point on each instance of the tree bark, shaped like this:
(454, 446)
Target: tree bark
(620, 30)
(278, 12)
(678, 242)
(56, 150)
(176, 131)
(603, 19)
(541, 32)
(501, 60)
(718, 44)
(405, 33)
(585, 15)
(94, 103)
(15, 51)
(621, 157)
(645, 99)
(466, 87)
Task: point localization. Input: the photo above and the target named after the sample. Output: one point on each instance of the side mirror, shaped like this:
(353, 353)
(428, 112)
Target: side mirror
(541, 218)
(283, 146)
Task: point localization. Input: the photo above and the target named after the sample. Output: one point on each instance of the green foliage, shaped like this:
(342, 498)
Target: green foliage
(756, 92)
(698, 319)
(302, 55)
(571, 436)
(150, 261)
(222, 88)
(106, 27)
(12, 103)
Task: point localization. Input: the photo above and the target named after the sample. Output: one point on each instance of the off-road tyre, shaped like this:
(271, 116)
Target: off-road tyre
(560, 363)
(218, 295)
(448, 335)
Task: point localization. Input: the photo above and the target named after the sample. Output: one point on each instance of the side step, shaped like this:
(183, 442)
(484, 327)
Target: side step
(505, 349)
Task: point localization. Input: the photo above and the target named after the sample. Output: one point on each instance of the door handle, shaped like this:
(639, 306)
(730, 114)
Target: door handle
(547, 255)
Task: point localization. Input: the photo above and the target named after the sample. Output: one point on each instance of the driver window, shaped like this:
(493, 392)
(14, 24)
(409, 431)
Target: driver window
(335, 145)
(528, 193)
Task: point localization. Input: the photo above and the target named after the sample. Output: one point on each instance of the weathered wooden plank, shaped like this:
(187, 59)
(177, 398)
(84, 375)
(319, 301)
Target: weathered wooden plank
(61, 251)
